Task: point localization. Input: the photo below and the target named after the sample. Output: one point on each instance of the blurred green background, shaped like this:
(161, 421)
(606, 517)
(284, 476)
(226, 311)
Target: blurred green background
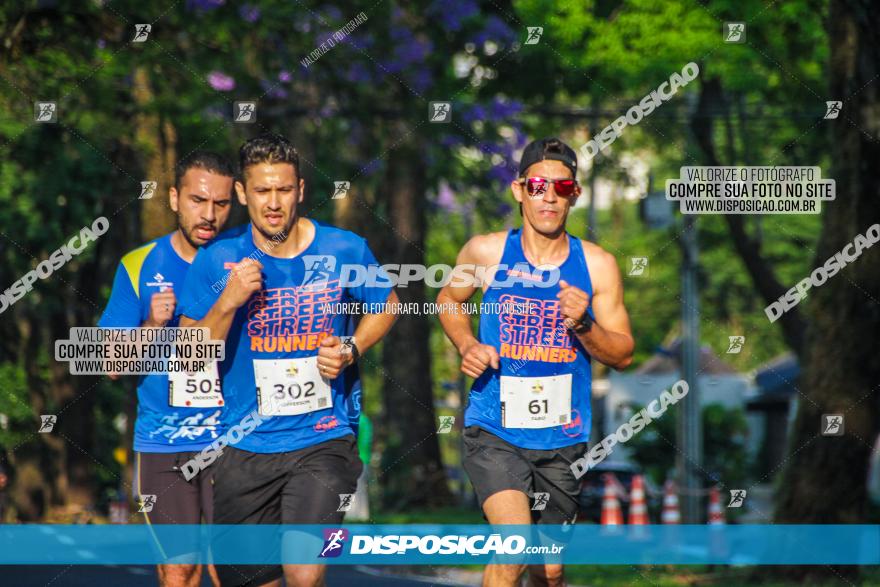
(127, 111)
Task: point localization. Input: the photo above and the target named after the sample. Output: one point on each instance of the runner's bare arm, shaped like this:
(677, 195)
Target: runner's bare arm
(609, 339)
(373, 327)
(480, 251)
(218, 319)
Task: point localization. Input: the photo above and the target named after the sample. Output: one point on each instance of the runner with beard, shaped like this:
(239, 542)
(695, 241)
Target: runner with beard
(178, 414)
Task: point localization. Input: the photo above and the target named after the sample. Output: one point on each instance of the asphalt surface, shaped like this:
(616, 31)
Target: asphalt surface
(140, 576)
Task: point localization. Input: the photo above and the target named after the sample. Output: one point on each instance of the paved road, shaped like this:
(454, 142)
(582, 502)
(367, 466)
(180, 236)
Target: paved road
(138, 576)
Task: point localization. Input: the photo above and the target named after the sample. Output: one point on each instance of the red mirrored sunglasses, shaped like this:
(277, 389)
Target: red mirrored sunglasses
(537, 186)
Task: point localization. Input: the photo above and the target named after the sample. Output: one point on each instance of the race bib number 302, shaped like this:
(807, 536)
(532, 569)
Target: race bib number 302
(535, 402)
(195, 390)
(291, 387)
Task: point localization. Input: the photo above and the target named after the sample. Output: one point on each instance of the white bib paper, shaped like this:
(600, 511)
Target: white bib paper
(196, 390)
(535, 402)
(291, 387)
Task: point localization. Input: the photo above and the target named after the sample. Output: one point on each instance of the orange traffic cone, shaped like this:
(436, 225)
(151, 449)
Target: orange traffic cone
(671, 515)
(611, 514)
(716, 514)
(638, 509)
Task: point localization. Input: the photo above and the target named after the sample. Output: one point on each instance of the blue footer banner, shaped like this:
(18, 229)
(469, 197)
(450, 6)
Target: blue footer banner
(435, 544)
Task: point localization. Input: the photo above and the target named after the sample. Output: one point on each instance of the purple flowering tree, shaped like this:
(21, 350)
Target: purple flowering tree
(352, 92)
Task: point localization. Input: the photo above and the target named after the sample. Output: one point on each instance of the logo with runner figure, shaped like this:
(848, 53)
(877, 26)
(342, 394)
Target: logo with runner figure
(346, 500)
(737, 497)
(146, 503)
(319, 268)
(47, 423)
(141, 32)
(190, 428)
(333, 541)
(541, 500)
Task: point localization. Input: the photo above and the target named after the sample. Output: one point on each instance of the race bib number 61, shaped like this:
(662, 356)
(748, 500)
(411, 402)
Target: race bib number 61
(535, 402)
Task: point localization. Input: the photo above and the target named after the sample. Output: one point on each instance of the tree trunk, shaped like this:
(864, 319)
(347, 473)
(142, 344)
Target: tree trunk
(747, 247)
(412, 471)
(825, 478)
(156, 140)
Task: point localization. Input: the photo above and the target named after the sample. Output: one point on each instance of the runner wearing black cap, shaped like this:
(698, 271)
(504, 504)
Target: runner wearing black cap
(528, 415)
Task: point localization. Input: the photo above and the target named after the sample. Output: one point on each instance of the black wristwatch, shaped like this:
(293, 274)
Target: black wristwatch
(584, 324)
(348, 342)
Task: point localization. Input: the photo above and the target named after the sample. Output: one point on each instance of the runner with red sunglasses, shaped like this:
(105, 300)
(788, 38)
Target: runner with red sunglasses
(528, 415)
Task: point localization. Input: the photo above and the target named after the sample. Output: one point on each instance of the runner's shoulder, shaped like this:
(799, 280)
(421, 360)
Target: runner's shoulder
(601, 263)
(139, 254)
(485, 249)
(230, 239)
(346, 240)
(329, 230)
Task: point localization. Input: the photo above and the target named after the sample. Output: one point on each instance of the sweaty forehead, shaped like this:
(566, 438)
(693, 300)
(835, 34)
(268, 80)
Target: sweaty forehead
(204, 182)
(270, 174)
(548, 168)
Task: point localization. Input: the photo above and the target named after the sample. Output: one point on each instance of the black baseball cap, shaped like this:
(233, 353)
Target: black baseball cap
(548, 148)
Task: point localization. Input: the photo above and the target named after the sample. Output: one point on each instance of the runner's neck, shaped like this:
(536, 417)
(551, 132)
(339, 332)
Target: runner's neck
(541, 249)
(301, 235)
(182, 247)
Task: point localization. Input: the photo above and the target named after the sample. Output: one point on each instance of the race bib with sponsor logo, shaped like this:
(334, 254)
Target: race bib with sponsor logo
(535, 402)
(195, 390)
(291, 387)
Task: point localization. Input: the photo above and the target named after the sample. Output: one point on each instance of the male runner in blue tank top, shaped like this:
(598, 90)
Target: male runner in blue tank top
(284, 357)
(528, 415)
(174, 422)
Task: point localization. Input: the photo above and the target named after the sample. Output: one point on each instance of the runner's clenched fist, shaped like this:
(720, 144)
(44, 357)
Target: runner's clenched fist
(477, 357)
(162, 306)
(331, 358)
(245, 279)
(573, 303)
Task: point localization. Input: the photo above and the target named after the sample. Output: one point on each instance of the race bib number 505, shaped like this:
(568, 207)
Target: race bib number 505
(195, 390)
(291, 387)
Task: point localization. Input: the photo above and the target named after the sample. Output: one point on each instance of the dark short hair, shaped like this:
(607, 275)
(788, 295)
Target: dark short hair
(267, 148)
(207, 160)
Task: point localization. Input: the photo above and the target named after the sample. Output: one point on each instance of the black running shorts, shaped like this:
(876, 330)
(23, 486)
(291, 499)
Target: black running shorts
(298, 487)
(166, 497)
(494, 465)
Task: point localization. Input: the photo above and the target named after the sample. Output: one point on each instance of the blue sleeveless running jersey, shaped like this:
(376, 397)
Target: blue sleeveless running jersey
(532, 344)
